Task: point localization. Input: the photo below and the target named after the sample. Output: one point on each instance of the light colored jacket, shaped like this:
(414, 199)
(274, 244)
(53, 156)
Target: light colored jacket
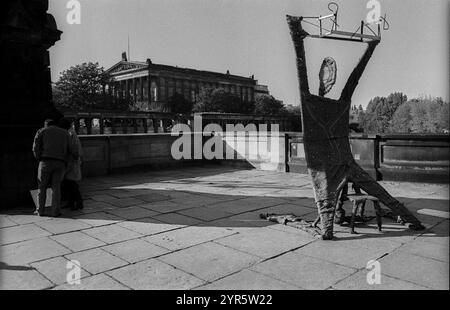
(73, 171)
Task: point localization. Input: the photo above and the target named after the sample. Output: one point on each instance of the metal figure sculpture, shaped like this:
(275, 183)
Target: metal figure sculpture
(326, 136)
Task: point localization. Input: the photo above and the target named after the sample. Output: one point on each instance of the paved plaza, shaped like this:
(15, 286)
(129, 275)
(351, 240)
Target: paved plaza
(199, 228)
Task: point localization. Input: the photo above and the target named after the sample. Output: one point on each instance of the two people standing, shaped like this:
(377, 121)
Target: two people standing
(58, 153)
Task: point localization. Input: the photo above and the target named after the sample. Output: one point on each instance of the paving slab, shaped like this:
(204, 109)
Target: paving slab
(247, 204)
(177, 219)
(23, 280)
(209, 261)
(289, 208)
(350, 256)
(21, 233)
(77, 241)
(419, 270)
(358, 281)
(265, 242)
(112, 233)
(91, 206)
(149, 226)
(30, 218)
(304, 271)
(155, 275)
(6, 222)
(62, 225)
(248, 280)
(56, 270)
(96, 282)
(188, 236)
(97, 260)
(31, 251)
(205, 214)
(133, 213)
(99, 219)
(427, 249)
(437, 234)
(135, 250)
(153, 197)
(165, 206)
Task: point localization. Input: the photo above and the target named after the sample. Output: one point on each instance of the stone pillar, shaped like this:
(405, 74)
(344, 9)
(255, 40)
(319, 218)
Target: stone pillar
(113, 125)
(76, 123)
(88, 123)
(102, 125)
(26, 34)
(127, 89)
(144, 123)
(141, 88)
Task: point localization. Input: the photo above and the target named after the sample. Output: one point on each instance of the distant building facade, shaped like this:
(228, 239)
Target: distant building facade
(151, 85)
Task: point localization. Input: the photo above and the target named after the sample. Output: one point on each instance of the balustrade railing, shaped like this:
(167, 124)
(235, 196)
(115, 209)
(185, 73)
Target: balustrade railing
(114, 122)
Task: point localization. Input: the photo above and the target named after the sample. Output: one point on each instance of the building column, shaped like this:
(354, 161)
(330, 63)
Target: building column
(127, 89)
(141, 88)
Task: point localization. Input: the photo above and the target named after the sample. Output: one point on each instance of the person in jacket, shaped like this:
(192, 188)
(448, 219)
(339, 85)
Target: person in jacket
(51, 148)
(70, 188)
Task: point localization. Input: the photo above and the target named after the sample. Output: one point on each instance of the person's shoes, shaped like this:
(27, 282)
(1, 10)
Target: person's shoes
(39, 213)
(328, 235)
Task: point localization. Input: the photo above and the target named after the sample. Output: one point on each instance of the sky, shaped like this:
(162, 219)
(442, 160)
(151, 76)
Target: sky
(251, 37)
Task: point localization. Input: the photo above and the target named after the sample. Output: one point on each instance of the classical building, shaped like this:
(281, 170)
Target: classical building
(153, 84)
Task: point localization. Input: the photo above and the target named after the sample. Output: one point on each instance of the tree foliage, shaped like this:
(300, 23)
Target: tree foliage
(422, 115)
(219, 100)
(179, 104)
(395, 114)
(268, 105)
(81, 86)
(380, 111)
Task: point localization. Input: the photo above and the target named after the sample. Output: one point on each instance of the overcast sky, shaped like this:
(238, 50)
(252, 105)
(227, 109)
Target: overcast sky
(251, 37)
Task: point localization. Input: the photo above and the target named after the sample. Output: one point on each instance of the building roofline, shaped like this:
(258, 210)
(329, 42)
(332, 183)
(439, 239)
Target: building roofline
(179, 69)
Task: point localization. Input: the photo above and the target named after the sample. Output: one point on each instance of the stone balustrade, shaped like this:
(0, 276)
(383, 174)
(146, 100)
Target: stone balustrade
(116, 122)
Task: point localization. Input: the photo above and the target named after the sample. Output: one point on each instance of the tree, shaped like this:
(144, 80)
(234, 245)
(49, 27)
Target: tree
(421, 115)
(219, 100)
(81, 87)
(380, 111)
(268, 105)
(401, 121)
(179, 104)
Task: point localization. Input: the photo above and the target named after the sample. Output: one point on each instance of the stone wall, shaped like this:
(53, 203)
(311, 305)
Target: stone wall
(104, 154)
(413, 158)
(399, 158)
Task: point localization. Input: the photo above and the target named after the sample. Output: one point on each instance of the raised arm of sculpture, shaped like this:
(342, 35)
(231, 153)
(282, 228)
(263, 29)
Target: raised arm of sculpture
(298, 34)
(354, 77)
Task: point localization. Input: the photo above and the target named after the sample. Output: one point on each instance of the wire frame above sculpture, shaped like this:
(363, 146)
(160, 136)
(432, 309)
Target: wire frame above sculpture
(333, 33)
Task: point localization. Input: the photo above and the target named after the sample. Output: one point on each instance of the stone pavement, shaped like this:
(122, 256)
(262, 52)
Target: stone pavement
(199, 228)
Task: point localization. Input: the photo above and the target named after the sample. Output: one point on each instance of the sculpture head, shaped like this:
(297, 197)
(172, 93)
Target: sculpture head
(327, 75)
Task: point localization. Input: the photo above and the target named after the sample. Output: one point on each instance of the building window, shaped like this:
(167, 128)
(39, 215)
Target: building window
(162, 89)
(186, 88)
(154, 92)
(171, 88)
(179, 87)
(146, 89)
